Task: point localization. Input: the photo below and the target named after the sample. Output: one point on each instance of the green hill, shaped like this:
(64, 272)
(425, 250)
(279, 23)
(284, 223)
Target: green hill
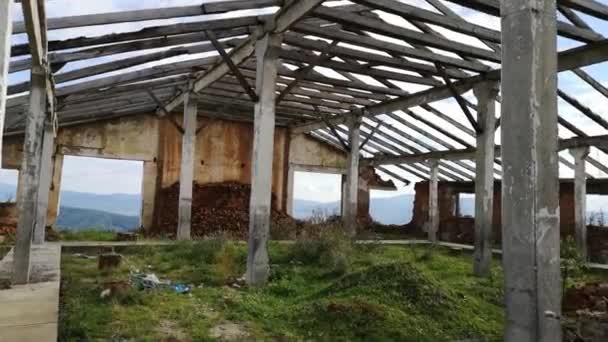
(77, 219)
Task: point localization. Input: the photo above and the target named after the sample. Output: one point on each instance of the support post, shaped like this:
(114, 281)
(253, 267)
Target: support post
(46, 177)
(291, 173)
(580, 198)
(187, 169)
(148, 191)
(267, 53)
(29, 177)
(433, 224)
(55, 191)
(352, 175)
(484, 176)
(530, 201)
(6, 29)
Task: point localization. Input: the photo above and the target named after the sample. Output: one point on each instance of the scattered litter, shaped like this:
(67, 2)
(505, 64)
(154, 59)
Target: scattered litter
(105, 293)
(180, 288)
(150, 281)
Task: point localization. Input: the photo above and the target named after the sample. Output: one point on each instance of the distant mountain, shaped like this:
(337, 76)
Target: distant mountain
(122, 204)
(76, 219)
(391, 210)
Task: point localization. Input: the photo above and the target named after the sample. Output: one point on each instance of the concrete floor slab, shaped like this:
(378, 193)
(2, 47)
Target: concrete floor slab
(30, 312)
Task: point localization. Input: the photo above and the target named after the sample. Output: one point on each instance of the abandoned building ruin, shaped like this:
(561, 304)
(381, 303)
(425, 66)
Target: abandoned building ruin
(318, 86)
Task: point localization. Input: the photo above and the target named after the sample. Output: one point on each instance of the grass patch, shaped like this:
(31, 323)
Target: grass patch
(405, 293)
(87, 235)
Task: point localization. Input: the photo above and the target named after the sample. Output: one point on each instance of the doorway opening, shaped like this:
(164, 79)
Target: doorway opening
(100, 194)
(317, 195)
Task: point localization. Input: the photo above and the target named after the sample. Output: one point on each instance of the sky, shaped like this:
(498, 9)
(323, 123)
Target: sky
(104, 176)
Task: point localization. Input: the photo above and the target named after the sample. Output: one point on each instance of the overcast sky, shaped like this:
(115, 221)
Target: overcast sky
(108, 176)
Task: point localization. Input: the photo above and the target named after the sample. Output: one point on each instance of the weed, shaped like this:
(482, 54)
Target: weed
(573, 263)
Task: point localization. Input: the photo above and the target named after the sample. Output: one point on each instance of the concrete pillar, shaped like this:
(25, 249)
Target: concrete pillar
(291, 173)
(187, 169)
(54, 198)
(580, 198)
(433, 224)
(46, 177)
(30, 175)
(6, 29)
(267, 53)
(148, 191)
(530, 201)
(484, 176)
(351, 194)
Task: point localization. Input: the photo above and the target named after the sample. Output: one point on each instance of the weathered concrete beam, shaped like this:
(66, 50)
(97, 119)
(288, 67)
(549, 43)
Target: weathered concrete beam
(187, 169)
(278, 23)
(530, 201)
(151, 14)
(433, 224)
(580, 195)
(6, 15)
(352, 175)
(44, 188)
(486, 94)
(600, 141)
(267, 53)
(570, 59)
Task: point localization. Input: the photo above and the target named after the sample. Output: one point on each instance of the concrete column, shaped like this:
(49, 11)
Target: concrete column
(6, 29)
(530, 201)
(433, 224)
(54, 196)
(267, 53)
(148, 191)
(291, 173)
(351, 197)
(484, 176)
(29, 177)
(187, 169)
(580, 198)
(46, 177)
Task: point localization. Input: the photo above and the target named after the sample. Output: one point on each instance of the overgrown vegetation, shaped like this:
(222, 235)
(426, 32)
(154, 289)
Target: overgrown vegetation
(573, 263)
(321, 288)
(87, 235)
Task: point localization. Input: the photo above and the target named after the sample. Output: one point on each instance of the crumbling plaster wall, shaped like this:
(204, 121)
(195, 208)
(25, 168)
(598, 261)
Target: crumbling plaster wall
(223, 151)
(127, 138)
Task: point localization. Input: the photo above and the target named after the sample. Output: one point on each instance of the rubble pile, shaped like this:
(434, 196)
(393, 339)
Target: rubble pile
(585, 309)
(216, 208)
(8, 219)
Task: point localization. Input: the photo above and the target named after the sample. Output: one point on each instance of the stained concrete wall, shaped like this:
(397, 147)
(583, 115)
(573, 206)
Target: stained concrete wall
(223, 153)
(126, 138)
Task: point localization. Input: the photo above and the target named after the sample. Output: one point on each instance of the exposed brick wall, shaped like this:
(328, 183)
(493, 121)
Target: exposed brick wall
(460, 229)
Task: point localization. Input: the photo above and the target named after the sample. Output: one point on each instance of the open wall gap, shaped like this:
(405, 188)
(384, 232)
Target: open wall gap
(316, 195)
(597, 210)
(8, 185)
(392, 207)
(100, 194)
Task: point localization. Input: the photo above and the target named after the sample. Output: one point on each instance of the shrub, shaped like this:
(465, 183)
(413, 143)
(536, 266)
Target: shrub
(573, 263)
(325, 245)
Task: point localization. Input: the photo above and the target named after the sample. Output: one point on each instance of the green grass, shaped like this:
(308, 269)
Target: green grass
(3, 251)
(382, 293)
(87, 235)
